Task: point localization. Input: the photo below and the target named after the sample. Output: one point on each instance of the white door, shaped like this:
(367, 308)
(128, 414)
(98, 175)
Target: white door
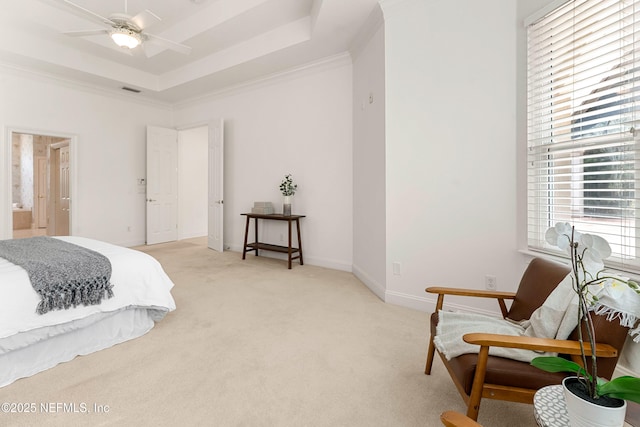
(216, 185)
(40, 202)
(162, 185)
(64, 195)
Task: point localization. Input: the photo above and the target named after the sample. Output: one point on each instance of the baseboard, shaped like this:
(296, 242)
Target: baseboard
(192, 235)
(327, 263)
(233, 248)
(373, 286)
(131, 243)
(308, 260)
(426, 304)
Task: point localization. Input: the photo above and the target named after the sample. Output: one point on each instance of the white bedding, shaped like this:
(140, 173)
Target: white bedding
(141, 296)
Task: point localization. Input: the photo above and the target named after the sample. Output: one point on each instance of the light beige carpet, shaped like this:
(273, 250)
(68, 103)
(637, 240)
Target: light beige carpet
(254, 344)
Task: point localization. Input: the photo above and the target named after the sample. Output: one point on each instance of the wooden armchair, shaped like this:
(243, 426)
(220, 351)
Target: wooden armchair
(456, 419)
(480, 375)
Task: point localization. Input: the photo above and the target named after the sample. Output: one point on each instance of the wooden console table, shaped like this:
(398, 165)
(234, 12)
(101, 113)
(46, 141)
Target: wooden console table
(255, 246)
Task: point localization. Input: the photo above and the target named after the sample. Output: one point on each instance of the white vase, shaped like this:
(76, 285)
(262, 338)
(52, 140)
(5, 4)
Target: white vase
(583, 413)
(286, 206)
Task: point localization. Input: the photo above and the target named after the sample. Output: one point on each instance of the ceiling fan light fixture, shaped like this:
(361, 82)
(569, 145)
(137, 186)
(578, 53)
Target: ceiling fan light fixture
(124, 37)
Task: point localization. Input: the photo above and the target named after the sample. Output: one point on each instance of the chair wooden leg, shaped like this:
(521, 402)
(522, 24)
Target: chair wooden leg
(456, 419)
(478, 383)
(430, 353)
(432, 348)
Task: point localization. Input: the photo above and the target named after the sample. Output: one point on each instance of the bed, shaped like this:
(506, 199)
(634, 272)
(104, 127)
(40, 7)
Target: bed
(31, 343)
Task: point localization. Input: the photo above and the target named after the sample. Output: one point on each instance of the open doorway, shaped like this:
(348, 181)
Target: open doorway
(40, 184)
(190, 204)
(201, 182)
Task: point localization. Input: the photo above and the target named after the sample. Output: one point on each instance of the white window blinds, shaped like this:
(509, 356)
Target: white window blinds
(583, 124)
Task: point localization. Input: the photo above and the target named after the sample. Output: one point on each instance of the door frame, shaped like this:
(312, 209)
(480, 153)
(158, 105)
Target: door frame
(53, 186)
(6, 224)
(210, 124)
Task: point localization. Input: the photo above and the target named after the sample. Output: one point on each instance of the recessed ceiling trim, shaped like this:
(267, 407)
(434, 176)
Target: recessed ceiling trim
(285, 36)
(315, 11)
(232, 41)
(339, 60)
(29, 73)
(374, 22)
(206, 19)
(64, 56)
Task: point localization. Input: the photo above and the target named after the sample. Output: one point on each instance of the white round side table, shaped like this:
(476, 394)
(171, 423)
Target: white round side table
(549, 407)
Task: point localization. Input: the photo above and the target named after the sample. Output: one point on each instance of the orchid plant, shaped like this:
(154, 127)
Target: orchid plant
(287, 187)
(599, 292)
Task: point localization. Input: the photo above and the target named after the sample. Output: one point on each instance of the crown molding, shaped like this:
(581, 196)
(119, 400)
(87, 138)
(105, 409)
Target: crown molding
(26, 72)
(330, 62)
(334, 61)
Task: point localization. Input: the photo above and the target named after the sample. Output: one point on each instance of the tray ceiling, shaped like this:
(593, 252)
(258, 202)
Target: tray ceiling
(231, 41)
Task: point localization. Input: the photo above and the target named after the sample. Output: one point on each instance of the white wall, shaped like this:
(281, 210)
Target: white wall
(298, 123)
(110, 149)
(369, 200)
(450, 147)
(193, 155)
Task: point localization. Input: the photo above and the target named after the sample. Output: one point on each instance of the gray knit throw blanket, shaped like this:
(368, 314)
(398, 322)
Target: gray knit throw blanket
(63, 274)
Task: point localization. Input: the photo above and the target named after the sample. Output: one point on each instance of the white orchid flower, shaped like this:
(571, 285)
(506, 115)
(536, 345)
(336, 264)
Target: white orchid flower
(613, 286)
(616, 287)
(559, 236)
(597, 245)
(590, 249)
(596, 249)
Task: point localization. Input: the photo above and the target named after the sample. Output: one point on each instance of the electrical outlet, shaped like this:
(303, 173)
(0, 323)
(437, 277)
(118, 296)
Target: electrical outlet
(396, 269)
(490, 282)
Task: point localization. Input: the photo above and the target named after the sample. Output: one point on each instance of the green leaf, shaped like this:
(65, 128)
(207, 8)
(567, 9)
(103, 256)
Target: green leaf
(557, 364)
(626, 387)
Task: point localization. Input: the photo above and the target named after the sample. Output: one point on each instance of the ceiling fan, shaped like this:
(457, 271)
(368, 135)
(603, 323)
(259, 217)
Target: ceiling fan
(125, 30)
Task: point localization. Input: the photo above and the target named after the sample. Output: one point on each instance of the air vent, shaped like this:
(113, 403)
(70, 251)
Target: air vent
(130, 89)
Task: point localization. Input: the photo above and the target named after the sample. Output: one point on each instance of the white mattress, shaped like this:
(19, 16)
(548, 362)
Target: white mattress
(31, 343)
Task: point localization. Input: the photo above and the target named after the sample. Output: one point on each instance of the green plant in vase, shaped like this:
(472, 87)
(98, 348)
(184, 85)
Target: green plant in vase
(288, 189)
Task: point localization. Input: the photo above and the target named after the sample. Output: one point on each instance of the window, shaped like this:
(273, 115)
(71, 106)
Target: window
(584, 124)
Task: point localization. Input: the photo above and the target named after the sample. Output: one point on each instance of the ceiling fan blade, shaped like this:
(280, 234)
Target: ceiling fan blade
(145, 18)
(85, 33)
(168, 44)
(125, 50)
(90, 14)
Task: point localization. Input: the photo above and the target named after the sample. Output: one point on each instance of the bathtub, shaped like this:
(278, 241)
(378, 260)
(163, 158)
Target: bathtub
(21, 219)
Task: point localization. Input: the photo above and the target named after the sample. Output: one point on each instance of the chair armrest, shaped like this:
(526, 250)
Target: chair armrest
(540, 344)
(470, 292)
(499, 295)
